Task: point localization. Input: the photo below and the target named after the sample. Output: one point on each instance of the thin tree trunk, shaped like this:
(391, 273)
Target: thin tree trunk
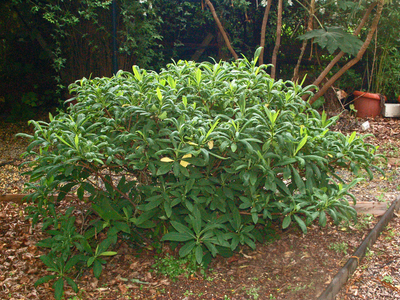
(263, 30)
(278, 39)
(221, 29)
(352, 62)
(373, 62)
(337, 58)
(341, 53)
(304, 44)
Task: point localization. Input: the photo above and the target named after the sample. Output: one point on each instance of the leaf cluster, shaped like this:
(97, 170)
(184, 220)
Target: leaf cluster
(201, 155)
(333, 38)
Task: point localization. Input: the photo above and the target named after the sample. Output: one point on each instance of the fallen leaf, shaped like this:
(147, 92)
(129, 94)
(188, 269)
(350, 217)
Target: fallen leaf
(166, 159)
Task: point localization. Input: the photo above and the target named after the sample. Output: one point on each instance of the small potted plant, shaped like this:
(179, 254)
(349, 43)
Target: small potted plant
(385, 80)
(368, 104)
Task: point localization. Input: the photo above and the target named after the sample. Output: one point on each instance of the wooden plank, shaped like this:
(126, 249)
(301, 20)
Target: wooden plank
(17, 198)
(4, 163)
(344, 273)
(373, 208)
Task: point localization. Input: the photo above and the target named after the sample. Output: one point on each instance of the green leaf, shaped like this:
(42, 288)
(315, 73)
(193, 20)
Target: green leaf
(58, 289)
(159, 95)
(282, 186)
(322, 218)
(76, 141)
(45, 279)
(177, 237)
(212, 128)
(108, 253)
(165, 168)
(136, 72)
(184, 101)
(66, 188)
(105, 244)
(249, 242)
(228, 192)
(298, 181)
(286, 222)
(236, 218)
(253, 178)
(171, 82)
(189, 185)
(234, 242)
(301, 144)
(48, 260)
(286, 161)
(233, 147)
(72, 284)
(254, 217)
(198, 75)
(155, 202)
(122, 227)
(163, 115)
(90, 261)
(301, 223)
(333, 38)
(97, 268)
(167, 209)
(62, 140)
(257, 54)
(181, 228)
(352, 137)
(187, 248)
(196, 221)
(199, 254)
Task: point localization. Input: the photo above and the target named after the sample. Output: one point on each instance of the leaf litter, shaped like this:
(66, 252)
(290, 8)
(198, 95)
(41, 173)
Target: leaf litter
(289, 266)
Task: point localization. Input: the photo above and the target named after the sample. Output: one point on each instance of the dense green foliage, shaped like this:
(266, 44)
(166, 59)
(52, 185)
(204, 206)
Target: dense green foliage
(204, 155)
(382, 67)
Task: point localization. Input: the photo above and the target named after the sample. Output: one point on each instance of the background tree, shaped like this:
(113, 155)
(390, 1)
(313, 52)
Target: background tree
(75, 38)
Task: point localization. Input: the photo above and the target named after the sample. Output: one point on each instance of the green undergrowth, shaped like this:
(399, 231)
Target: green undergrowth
(173, 267)
(202, 156)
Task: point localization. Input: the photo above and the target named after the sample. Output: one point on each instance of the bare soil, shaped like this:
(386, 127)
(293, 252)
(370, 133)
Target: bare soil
(290, 265)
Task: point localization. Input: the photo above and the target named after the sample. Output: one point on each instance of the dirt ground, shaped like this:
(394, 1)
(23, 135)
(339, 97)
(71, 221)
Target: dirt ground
(290, 265)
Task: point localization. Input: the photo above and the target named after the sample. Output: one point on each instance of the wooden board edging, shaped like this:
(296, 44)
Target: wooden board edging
(344, 273)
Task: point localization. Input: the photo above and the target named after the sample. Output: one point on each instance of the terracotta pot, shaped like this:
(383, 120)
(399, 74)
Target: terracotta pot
(368, 104)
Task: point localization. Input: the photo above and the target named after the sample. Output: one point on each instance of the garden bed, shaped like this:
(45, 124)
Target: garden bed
(289, 266)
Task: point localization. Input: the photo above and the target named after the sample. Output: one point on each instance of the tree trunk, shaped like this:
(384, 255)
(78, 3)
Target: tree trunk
(304, 44)
(278, 39)
(221, 29)
(263, 30)
(202, 47)
(360, 53)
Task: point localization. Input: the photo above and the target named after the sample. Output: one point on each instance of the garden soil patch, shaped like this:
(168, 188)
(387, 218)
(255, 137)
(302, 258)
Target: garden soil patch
(290, 265)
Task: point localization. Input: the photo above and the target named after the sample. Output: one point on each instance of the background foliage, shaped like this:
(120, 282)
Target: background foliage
(73, 39)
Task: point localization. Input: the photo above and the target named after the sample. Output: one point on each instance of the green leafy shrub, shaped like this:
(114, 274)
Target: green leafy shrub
(203, 155)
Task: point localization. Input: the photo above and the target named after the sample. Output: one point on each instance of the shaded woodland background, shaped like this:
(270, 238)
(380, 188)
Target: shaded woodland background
(46, 45)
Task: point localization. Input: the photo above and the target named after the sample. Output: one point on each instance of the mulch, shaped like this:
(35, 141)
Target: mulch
(377, 277)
